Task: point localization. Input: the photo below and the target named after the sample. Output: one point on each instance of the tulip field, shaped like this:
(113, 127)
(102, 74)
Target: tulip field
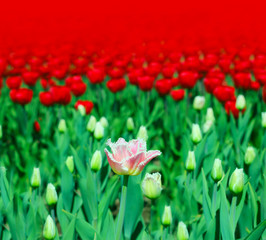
(151, 142)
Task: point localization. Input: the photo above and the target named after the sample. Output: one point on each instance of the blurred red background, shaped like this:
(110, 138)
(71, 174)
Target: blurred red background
(108, 22)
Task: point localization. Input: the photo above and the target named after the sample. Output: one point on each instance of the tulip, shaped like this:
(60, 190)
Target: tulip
(104, 122)
(236, 181)
(98, 131)
(230, 107)
(96, 161)
(199, 102)
(207, 126)
(91, 124)
(116, 85)
(21, 96)
(37, 126)
(129, 158)
(61, 94)
(142, 133)
(51, 194)
(250, 155)
(196, 133)
(178, 94)
(167, 216)
(163, 86)
(30, 78)
(46, 98)
(130, 124)
(49, 229)
(70, 163)
(191, 162)
(82, 110)
(224, 93)
(210, 115)
(240, 102)
(78, 88)
(145, 83)
(263, 119)
(152, 185)
(182, 232)
(84, 106)
(35, 178)
(188, 79)
(62, 126)
(217, 170)
(95, 75)
(14, 82)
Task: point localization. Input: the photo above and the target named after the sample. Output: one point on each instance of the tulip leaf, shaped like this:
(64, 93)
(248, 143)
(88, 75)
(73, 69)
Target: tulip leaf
(257, 232)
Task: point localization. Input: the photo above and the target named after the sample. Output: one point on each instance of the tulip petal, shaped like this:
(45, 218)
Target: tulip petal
(137, 145)
(118, 167)
(133, 162)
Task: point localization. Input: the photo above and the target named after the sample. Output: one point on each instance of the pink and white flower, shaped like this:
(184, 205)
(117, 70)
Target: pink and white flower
(129, 158)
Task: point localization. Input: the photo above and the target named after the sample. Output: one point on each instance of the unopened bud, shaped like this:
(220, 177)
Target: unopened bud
(130, 124)
(196, 133)
(250, 155)
(182, 232)
(263, 119)
(167, 216)
(152, 185)
(217, 170)
(62, 126)
(142, 134)
(91, 124)
(36, 178)
(207, 126)
(236, 182)
(99, 131)
(199, 102)
(104, 122)
(51, 194)
(191, 161)
(96, 161)
(81, 110)
(70, 163)
(240, 102)
(210, 115)
(49, 228)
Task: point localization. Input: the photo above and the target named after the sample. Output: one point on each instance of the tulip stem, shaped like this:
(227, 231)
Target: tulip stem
(233, 211)
(214, 196)
(122, 208)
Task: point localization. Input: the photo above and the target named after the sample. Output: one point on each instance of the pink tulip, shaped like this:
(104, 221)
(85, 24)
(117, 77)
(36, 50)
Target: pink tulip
(129, 158)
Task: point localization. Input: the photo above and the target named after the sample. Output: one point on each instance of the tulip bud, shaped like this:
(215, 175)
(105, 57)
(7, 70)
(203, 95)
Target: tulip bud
(152, 185)
(196, 133)
(96, 161)
(130, 124)
(191, 162)
(81, 110)
(236, 182)
(263, 119)
(49, 228)
(182, 232)
(70, 163)
(62, 126)
(199, 102)
(210, 115)
(1, 132)
(250, 155)
(98, 131)
(35, 178)
(167, 216)
(104, 122)
(240, 102)
(217, 170)
(142, 134)
(51, 194)
(91, 124)
(207, 126)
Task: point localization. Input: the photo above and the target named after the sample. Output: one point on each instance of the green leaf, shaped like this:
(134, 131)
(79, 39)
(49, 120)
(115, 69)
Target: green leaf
(70, 231)
(257, 232)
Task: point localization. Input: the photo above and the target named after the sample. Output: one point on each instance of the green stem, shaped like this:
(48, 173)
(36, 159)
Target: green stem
(233, 211)
(214, 197)
(122, 208)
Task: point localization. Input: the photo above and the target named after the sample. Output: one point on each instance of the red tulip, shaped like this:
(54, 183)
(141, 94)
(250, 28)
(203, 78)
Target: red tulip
(163, 86)
(95, 75)
(14, 82)
(211, 83)
(153, 69)
(37, 126)
(30, 78)
(61, 94)
(188, 79)
(46, 98)
(224, 93)
(73, 79)
(88, 105)
(168, 72)
(242, 80)
(21, 96)
(255, 86)
(78, 88)
(116, 73)
(133, 76)
(225, 64)
(116, 85)
(145, 83)
(178, 94)
(230, 107)
(81, 62)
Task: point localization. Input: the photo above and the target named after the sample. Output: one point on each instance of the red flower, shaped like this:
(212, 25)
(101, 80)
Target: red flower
(230, 107)
(211, 83)
(178, 94)
(116, 73)
(255, 86)
(224, 93)
(95, 75)
(188, 79)
(145, 83)
(74, 79)
(116, 85)
(78, 88)
(168, 72)
(163, 86)
(30, 78)
(242, 80)
(61, 94)
(133, 76)
(37, 126)
(88, 105)
(209, 60)
(225, 64)
(21, 96)
(14, 82)
(153, 69)
(46, 98)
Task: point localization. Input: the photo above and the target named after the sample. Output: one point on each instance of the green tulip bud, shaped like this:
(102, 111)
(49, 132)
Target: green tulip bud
(49, 228)
(96, 161)
(182, 232)
(142, 134)
(152, 185)
(263, 119)
(70, 163)
(250, 155)
(236, 181)
(1, 132)
(130, 124)
(36, 178)
(167, 216)
(196, 133)
(51, 194)
(82, 110)
(91, 124)
(104, 122)
(207, 126)
(99, 131)
(62, 126)
(240, 102)
(210, 115)
(217, 170)
(191, 162)
(199, 102)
